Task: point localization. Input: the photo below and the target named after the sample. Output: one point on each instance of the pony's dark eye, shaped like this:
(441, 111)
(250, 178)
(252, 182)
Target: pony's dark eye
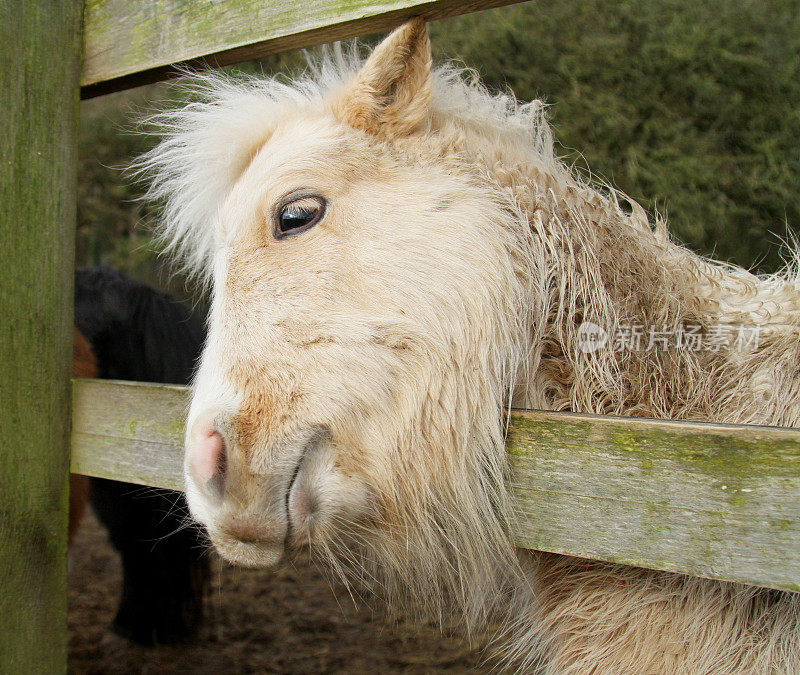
(298, 215)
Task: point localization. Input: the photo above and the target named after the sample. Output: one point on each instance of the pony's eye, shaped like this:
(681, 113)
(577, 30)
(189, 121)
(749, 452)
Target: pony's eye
(298, 215)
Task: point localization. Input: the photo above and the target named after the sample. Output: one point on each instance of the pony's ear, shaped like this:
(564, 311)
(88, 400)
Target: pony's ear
(391, 94)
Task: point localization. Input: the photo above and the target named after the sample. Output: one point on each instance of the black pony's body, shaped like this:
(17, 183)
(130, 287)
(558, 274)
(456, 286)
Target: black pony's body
(140, 334)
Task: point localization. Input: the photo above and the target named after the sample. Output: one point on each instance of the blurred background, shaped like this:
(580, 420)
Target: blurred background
(691, 108)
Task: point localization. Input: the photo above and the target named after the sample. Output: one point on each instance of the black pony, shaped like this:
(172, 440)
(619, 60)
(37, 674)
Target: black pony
(137, 333)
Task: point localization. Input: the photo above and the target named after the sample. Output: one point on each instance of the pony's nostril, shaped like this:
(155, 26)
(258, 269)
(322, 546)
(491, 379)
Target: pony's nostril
(208, 457)
(216, 483)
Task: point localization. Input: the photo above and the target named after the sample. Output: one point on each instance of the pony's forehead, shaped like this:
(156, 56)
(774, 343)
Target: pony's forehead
(310, 153)
(309, 133)
(309, 147)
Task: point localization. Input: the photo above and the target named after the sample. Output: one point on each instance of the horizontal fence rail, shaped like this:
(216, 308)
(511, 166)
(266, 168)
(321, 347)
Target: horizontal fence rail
(717, 501)
(132, 42)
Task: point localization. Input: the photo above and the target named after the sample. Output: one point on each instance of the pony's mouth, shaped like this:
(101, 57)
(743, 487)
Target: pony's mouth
(252, 554)
(300, 503)
(291, 524)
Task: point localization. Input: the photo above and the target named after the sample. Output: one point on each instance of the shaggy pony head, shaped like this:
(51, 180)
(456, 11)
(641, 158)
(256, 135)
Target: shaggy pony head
(368, 317)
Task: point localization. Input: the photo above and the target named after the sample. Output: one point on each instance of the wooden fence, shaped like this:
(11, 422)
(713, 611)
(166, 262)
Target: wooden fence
(718, 501)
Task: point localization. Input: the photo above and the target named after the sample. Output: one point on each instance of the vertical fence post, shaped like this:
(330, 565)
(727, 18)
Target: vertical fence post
(40, 54)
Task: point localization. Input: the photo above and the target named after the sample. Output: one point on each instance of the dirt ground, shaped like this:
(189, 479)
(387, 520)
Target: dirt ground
(289, 621)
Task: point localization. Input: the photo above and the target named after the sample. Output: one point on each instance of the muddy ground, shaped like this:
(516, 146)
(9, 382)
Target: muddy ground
(290, 621)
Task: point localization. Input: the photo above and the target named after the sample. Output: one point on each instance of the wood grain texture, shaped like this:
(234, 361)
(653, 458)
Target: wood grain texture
(719, 501)
(132, 42)
(40, 46)
(130, 431)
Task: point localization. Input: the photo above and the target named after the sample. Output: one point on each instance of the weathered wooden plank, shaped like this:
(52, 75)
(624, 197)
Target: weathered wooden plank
(720, 501)
(130, 431)
(131, 42)
(40, 46)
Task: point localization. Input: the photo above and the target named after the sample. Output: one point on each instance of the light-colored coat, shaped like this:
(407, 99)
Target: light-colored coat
(353, 391)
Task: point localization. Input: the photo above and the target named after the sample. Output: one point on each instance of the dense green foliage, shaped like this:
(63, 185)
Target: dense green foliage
(689, 107)
(693, 109)
(111, 229)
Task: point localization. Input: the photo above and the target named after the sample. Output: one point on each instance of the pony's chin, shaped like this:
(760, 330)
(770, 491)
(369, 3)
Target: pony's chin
(252, 554)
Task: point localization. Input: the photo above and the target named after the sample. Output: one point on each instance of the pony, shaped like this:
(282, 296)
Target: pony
(137, 333)
(395, 257)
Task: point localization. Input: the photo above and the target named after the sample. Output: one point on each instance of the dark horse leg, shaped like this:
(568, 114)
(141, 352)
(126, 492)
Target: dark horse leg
(165, 565)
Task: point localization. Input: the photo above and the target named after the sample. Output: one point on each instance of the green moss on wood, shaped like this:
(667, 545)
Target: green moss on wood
(126, 37)
(40, 45)
(709, 500)
(718, 454)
